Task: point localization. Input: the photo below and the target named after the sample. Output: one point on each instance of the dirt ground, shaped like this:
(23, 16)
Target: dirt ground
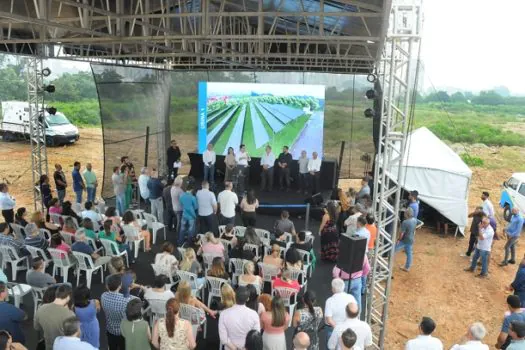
(436, 286)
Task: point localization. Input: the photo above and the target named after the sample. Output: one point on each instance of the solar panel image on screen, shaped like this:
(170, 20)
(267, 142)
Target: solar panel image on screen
(258, 115)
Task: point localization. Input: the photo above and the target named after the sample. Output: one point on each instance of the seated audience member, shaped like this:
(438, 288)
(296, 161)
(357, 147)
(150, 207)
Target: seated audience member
(158, 290)
(301, 242)
(71, 338)
(21, 217)
(518, 285)
(347, 340)
(285, 280)
(81, 246)
(7, 239)
(55, 207)
(89, 229)
(7, 343)
(254, 341)
(237, 321)
(517, 333)
(335, 306)
(229, 234)
(37, 277)
(67, 209)
(39, 220)
(91, 214)
(301, 341)
(284, 224)
(253, 300)
(173, 332)
(58, 243)
(35, 238)
(211, 245)
(514, 306)
(12, 317)
(227, 297)
(274, 323)
(280, 239)
(3, 277)
(165, 262)
(217, 269)
(251, 237)
(472, 340)
(425, 340)
(114, 305)
(115, 237)
(249, 276)
(184, 296)
(189, 263)
(293, 259)
(274, 258)
(69, 225)
(86, 310)
(129, 220)
(111, 214)
(134, 329)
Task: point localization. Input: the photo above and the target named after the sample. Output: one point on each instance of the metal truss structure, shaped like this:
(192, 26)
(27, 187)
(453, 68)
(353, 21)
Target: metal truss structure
(35, 94)
(398, 77)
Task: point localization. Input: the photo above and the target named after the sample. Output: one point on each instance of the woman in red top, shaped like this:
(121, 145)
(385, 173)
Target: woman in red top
(286, 281)
(274, 323)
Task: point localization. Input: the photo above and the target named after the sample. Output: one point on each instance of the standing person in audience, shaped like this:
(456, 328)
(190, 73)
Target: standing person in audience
(249, 205)
(119, 180)
(7, 204)
(91, 182)
(477, 216)
(406, 241)
(307, 319)
(71, 338)
(230, 164)
(314, 168)
(365, 189)
(372, 229)
(114, 305)
(209, 158)
(513, 231)
(301, 341)
(172, 332)
(12, 317)
(155, 196)
(361, 230)
(253, 300)
(237, 321)
(425, 340)
(274, 323)
(169, 214)
(86, 310)
(518, 285)
(361, 329)
(134, 328)
(517, 333)
(483, 248)
(284, 224)
(357, 279)
(254, 341)
(227, 201)
(45, 190)
(514, 306)
(78, 182)
(207, 208)
(143, 185)
(49, 318)
(488, 207)
(347, 340)
(472, 339)
(60, 182)
(176, 191)
(329, 234)
(267, 164)
(351, 221)
(284, 162)
(303, 173)
(335, 307)
(173, 159)
(37, 276)
(189, 208)
(124, 161)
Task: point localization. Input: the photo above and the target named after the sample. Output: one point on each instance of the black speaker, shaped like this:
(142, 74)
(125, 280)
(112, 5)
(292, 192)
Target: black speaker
(315, 200)
(351, 253)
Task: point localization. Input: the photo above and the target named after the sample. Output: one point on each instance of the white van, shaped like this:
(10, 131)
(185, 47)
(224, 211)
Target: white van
(15, 124)
(513, 195)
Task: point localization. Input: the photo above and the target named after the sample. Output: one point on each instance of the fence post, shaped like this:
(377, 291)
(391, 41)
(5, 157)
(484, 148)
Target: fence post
(146, 151)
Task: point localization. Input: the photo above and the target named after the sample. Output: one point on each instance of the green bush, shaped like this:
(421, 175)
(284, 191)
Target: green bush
(80, 113)
(472, 160)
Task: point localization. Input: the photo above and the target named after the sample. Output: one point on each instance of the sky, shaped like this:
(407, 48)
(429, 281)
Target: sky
(474, 44)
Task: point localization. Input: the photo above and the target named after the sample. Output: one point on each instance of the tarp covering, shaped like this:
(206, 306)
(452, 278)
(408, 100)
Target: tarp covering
(438, 174)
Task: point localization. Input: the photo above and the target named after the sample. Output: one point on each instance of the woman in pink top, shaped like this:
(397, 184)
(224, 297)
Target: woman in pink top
(274, 323)
(58, 243)
(211, 245)
(55, 207)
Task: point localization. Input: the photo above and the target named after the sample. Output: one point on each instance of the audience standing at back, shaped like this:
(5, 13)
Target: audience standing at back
(114, 305)
(348, 340)
(134, 329)
(335, 307)
(472, 340)
(11, 317)
(514, 305)
(86, 310)
(361, 329)
(517, 333)
(172, 332)
(71, 338)
(254, 341)
(425, 340)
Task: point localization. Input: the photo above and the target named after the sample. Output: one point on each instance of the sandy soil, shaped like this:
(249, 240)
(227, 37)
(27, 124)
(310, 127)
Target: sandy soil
(436, 286)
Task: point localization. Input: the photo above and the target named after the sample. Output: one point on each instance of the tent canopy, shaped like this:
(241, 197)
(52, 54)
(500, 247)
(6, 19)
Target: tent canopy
(438, 174)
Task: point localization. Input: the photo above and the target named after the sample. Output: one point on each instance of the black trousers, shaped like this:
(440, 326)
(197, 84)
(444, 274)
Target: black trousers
(116, 342)
(206, 224)
(284, 177)
(170, 219)
(303, 181)
(314, 182)
(471, 243)
(225, 221)
(9, 215)
(248, 219)
(267, 179)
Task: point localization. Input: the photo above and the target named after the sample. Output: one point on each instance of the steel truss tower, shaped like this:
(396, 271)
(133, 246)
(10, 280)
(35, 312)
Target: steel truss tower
(35, 94)
(397, 75)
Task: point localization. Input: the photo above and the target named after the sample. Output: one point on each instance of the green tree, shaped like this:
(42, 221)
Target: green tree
(458, 97)
(490, 97)
(440, 96)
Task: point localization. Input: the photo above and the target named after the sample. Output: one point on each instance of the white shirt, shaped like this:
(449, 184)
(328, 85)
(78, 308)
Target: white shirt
(152, 295)
(268, 159)
(488, 235)
(143, 186)
(335, 306)
(314, 165)
(351, 223)
(361, 329)
(227, 202)
(209, 157)
(471, 345)
(488, 208)
(92, 215)
(6, 201)
(363, 232)
(424, 342)
(242, 158)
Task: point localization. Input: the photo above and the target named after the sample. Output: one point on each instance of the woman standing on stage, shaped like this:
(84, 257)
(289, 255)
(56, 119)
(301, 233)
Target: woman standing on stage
(329, 234)
(230, 162)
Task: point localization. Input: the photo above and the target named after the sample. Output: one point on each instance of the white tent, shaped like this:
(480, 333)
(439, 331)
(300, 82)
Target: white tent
(438, 174)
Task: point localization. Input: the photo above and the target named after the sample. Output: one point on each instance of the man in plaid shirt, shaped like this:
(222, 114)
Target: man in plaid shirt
(114, 304)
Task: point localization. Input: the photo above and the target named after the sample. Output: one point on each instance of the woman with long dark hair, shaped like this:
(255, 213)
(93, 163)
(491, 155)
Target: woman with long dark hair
(45, 190)
(230, 162)
(67, 210)
(274, 323)
(329, 234)
(171, 332)
(6, 342)
(253, 300)
(248, 206)
(307, 318)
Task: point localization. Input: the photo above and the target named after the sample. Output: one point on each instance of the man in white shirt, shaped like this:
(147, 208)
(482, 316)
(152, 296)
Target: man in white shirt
(351, 222)
(209, 157)
(485, 237)
(267, 163)
(207, 208)
(227, 200)
(242, 158)
(176, 191)
(472, 340)
(360, 328)
(143, 184)
(334, 311)
(89, 213)
(424, 340)
(348, 340)
(301, 341)
(314, 168)
(488, 207)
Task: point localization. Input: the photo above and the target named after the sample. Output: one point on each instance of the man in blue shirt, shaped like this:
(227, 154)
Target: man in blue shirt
(513, 231)
(12, 317)
(408, 228)
(414, 203)
(189, 206)
(513, 303)
(155, 196)
(78, 182)
(518, 285)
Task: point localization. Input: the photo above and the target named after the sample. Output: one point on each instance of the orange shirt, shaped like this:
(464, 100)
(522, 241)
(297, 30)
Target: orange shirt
(373, 233)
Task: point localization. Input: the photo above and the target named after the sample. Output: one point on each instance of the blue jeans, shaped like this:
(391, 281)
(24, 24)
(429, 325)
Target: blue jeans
(363, 284)
(91, 194)
(484, 260)
(329, 331)
(121, 203)
(61, 194)
(209, 173)
(408, 251)
(187, 227)
(78, 194)
(355, 290)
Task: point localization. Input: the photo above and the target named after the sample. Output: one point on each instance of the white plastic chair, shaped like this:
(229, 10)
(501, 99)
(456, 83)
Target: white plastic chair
(222, 229)
(111, 249)
(299, 276)
(262, 234)
(38, 295)
(195, 316)
(62, 261)
(154, 225)
(192, 279)
(156, 310)
(133, 238)
(269, 272)
(160, 270)
(20, 232)
(307, 261)
(252, 247)
(55, 219)
(214, 287)
(208, 260)
(227, 245)
(289, 297)
(137, 214)
(10, 255)
(288, 237)
(37, 253)
(77, 208)
(85, 263)
(46, 234)
(18, 291)
(101, 208)
(239, 231)
(75, 222)
(69, 237)
(236, 269)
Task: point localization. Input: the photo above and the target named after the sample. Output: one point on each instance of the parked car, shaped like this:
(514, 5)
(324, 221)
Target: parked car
(513, 195)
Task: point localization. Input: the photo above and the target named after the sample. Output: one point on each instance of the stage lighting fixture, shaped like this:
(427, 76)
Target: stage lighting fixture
(369, 113)
(52, 110)
(371, 78)
(46, 72)
(370, 94)
(49, 88)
